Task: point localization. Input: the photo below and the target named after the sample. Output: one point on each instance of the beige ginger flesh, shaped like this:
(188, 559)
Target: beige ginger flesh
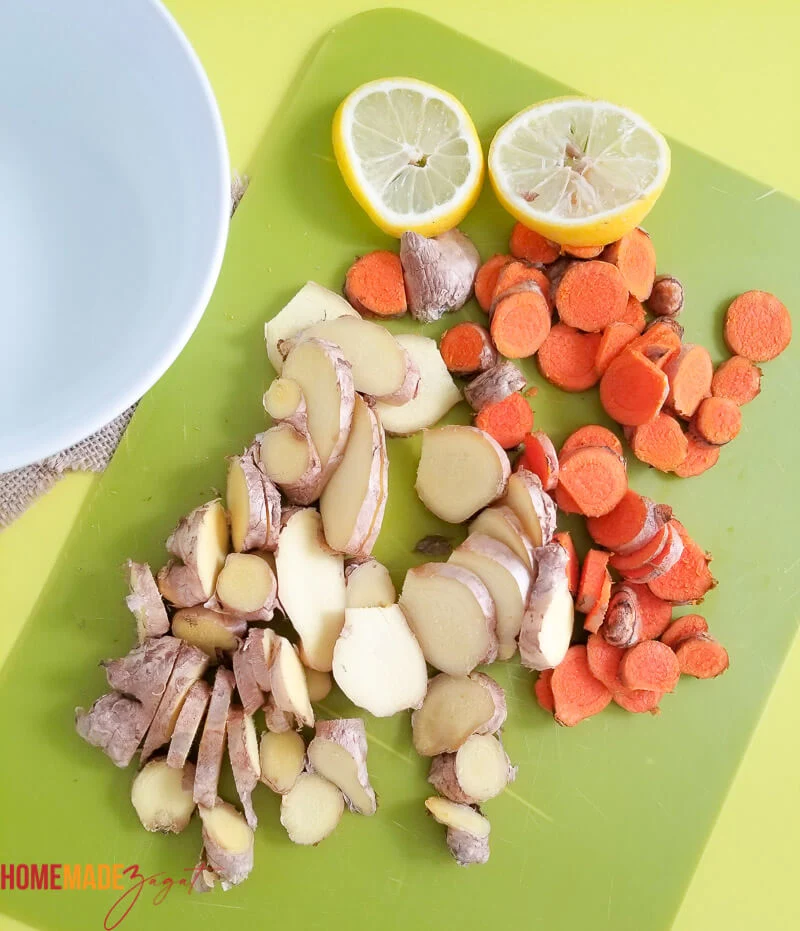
(311, 809)
(282, 758)
(162, 796)
(339, 753)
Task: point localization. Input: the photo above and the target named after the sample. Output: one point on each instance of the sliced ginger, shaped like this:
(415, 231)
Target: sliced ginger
(210, 631)
(369, 585)
(339, 753)
(145, 602)
(319, 684)
(228, 842)
(254, 504)
(533, 506)
(245, 760)
(162, 796)
(288, 682)
(247, 588)
(212, 742)
(282, 758)
(311, 809)
(467, 830)
(549, 617)
(477, 771)
(201, 541)
(501, 523)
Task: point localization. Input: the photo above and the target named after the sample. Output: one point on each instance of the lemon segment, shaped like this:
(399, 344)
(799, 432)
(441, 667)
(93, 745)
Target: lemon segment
(410, 155)
(580, 172)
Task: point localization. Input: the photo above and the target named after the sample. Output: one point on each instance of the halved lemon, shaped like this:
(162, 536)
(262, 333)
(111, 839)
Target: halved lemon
(580, 172)
(410, 155)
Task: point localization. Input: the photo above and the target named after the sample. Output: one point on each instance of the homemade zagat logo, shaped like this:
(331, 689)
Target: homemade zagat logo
(128, 880)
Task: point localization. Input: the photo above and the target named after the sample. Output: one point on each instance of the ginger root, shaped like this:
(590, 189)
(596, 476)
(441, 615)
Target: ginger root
(210, 631)
(188, 723)
(144, 672)
(245, 759)
(288, 682)
(115, 724)
(228, 842)
(145, 602)
(201, 543)
(548, 620)
(212, 743)
(477, 771)
(311, 809)
(282, 757)
(467, 830)
(254, 503)
(439, 273)
(247, 587)
(162, 796)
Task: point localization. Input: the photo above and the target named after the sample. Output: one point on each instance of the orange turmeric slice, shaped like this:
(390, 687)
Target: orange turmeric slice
(374, 285)
(650, 665)
(639, 558)
(591, 295)
(687, 626)
(702, 656)
(635, 257)
(566, 358)
(660, 342)
(690, 579)
(595, 478)
(661, 562)
(717, 421)
(509, 421)
(591, 434)
(700, 457)
(737, 379)
(486, 279)
(604, 661)
(520, 321)
(594, 619)
(516, 272)
(660, 443)
(565, 502)
(613, 340)
(634, 314)
(633, 390)
(582, 252)
(689, 372)
(757, 326)
(632, 523)
(655, 613)
(543, 690)
(467, 349)
(564, 539)
(637, 701)
(593, 574)
(539, 456)
(527, 244)
(577, 695)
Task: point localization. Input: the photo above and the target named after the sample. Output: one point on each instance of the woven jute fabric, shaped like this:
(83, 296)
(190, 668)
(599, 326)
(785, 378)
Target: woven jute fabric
(21, 487)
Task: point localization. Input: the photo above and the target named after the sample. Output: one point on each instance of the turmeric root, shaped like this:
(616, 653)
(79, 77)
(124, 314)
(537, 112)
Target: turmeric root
(374, 285)
(162, 796)
(439, 273)
(543, 690)
(689, 373)
(564, 540)
(311, 809)
(467, 830)
(737, 379)
(655, 613)
(597, 615)
(633, 389)
(477, 771)
(339, 753)
(595, 479)
(689, 580)
(508, 421)
(520, 320)
(757, 326)
(717, 421)
(591, 435)
(635, 258)
(591, 296)
(493, 385)
(666, 298)
(615, 337)
(604, 660)
(591, 580)
(576, 693)
(539, 456)
(684, 627)
(660, 443)
(622, 626)
(467, 349)
(650, 665)
(145, 602)
(486, 280)
(566, 358)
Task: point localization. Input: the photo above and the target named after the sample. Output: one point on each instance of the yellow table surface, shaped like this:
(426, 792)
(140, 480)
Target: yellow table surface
(723, 78)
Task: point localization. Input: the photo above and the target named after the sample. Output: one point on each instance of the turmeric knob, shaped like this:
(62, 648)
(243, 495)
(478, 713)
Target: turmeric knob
(666, 298)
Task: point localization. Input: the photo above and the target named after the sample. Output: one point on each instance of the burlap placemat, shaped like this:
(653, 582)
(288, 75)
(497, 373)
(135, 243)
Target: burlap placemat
(21, 487)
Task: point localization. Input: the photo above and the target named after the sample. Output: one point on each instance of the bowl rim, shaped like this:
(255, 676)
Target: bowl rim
(74, 431)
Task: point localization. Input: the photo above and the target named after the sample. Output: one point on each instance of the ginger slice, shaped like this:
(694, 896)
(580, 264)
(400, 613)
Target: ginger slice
(145, 602)
(549, 617)
(228, 842)
(254, 503)
(368, 585)
(535, 509)
(477, 771)
(291, 460)
(247, 587)
(145, 671)
(501, 523)
(208, 630)
(288, 682)
(339, 753)
(162, 796)
(212, 743)
(201, 542)
(282, 759)
(277, 721)
(188, 723)
(245, 759)
(250, 693)
(311, 809)
(319, 684)
(467, 830)
(116, 724)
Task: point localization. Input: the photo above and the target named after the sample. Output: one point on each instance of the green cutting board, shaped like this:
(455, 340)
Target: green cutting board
(606, 821)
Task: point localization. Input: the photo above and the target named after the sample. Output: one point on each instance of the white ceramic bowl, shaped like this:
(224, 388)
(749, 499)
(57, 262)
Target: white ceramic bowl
(114, 205)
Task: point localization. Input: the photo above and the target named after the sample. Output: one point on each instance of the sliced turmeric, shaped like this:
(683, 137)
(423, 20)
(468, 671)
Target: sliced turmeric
(717, 421)
(539, 456)
(687, 626)
(634, 314)
(604, 661)
(690, 579)
(486, 279)
(633, 389)
(737, 379)
(374, 285)
(660, 443)
(689, 372)
(516, 272)
(509, 421)
(564, 501)
(520, 321)
(566, 358)
(666, 298)
(613, 340)
(543, 690)
(642, 556)
(662, 561)
(637, 701)
(700, 457)
(650, 665)
(527, 244)
(577, 695)
(564, 539)
(591, 434)
(582, 252)
(632, 523)
(655, 613)
(702, 656)
(596, 617)
(635, 257)
(593, 574)
(595, 478)
(467, 349)
(622, 626)
(591, 295)
(660, 342)
(757, 326)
